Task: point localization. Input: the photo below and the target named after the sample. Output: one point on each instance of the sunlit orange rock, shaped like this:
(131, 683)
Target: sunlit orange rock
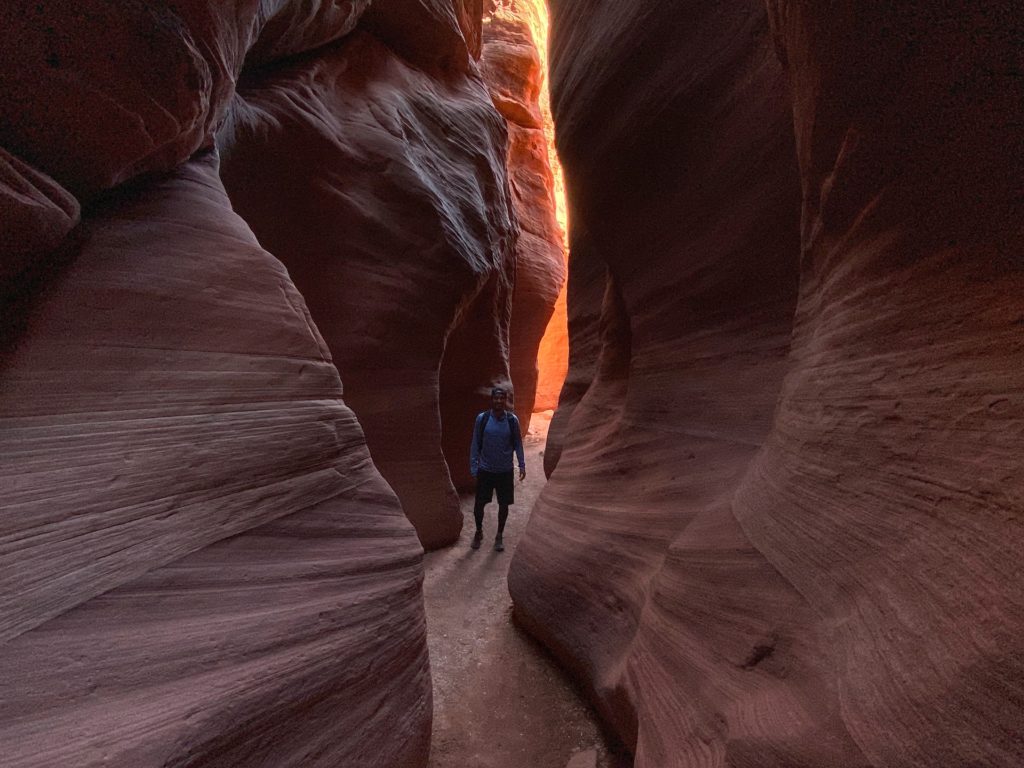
(511, 64)
(783, 524)
(553, 357)
(511, 67)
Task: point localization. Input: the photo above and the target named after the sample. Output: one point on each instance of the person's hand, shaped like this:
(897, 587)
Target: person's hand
(522, 474)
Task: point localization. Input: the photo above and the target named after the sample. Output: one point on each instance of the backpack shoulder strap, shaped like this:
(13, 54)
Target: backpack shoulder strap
(513, 428)
(481, 421)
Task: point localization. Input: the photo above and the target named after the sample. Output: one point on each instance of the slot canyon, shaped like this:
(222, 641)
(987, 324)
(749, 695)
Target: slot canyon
(761, 319)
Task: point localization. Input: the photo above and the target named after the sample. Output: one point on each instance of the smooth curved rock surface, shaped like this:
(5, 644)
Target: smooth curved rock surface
(683, 281)
(201, 566)
(36, 214)
(782, 527)
(96, 93)
(398, 231)
(889, 493)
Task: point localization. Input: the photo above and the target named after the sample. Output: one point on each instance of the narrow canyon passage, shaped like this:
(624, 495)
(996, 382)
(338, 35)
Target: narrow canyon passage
(499, 700)
(261, 263)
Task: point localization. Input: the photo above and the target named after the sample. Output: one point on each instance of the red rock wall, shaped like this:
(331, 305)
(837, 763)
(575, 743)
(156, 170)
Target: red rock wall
(782, 526)
(889, 493)
(381, 186)
(199, 562)
(196, 544)
(511, 68)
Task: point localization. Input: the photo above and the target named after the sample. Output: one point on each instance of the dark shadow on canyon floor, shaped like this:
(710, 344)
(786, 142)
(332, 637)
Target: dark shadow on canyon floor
(499, 700)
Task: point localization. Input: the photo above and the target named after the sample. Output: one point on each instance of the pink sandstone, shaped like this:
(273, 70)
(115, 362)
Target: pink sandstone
(201, 565)
(382, 189)
(200, 562)
(512, 67)
(783, 523)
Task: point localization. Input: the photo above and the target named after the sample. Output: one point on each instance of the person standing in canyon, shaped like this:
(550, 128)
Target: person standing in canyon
(496, 434)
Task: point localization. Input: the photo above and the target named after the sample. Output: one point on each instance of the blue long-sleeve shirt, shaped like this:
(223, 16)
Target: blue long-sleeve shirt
(496, 454)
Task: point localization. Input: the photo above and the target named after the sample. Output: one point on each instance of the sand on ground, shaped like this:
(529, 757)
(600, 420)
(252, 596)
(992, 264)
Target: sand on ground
(499, 700)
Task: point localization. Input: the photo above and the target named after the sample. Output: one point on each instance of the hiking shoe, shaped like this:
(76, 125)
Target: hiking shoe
(499, 545)
(477, 538)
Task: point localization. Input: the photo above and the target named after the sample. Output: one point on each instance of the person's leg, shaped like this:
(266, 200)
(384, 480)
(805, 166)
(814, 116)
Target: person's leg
(484, 492)
(506, 490)
(478, 513)
(499, 544)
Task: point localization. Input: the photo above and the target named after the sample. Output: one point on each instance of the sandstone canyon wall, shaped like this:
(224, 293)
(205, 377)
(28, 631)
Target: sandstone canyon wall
(511, 67)
(201, 564)
(783, 524)
(379, 181)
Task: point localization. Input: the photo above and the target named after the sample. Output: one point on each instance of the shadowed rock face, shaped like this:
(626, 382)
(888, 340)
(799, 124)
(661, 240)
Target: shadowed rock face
(71, 109)
(889, 492)
(757, 556)
(382, 189)
(196, 544)
(200, 563)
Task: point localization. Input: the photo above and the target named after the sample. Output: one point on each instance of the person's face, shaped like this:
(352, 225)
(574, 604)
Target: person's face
(498, 401)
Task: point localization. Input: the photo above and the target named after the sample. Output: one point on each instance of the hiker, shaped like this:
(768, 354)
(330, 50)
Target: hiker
(495, 435)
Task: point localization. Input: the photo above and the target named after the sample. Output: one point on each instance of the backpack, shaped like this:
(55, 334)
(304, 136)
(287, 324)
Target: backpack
(513, 428)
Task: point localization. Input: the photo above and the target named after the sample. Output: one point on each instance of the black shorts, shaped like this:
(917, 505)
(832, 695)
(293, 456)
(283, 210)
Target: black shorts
(489, 482)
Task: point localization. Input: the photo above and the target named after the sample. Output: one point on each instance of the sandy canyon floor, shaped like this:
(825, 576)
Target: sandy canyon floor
(499, 700)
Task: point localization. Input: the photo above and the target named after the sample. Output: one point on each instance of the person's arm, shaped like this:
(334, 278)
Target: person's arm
(474, 449)
(519, 450)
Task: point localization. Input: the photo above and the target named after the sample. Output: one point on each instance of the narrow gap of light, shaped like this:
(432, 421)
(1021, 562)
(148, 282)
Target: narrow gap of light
(535, 13)
(553, 353)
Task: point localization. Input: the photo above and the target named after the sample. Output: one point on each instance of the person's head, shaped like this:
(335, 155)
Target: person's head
(499, 399)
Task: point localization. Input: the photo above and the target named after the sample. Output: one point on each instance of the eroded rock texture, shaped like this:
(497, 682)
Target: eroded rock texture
(398, 231)
(834, 581)
(889, 493)
(401, 201)
(199, 563)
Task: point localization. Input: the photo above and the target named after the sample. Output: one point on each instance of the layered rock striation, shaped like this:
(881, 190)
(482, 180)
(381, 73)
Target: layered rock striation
(888, 492)
(201, 564)
(198, 551)
(781, 519)
(381, 186)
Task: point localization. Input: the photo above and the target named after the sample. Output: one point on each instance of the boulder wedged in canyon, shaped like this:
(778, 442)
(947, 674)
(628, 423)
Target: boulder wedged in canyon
(399, 233)
(783, 525)
(201, 564)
